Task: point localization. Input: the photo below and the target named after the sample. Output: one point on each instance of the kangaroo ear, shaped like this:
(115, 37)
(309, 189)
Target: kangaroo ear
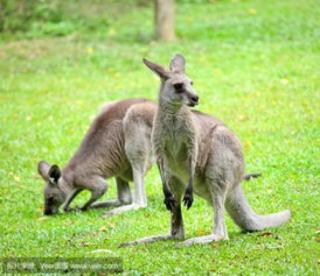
(177, 64)
(43, 169)
(159, 70)
(54, 173)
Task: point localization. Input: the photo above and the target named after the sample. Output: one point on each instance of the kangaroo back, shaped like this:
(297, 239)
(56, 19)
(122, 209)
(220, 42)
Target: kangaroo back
(102, 148)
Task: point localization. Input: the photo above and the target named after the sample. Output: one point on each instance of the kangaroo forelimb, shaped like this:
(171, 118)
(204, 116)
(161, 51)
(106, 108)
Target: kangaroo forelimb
(188, 195)
(169, 200)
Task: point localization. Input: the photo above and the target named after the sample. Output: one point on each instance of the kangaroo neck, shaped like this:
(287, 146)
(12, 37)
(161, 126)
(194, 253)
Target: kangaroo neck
(67, 183)
(66, 187)
(176, 120)
(169, 109)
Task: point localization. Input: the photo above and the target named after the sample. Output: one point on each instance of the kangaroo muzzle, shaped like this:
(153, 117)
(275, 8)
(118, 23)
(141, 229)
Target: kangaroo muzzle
(193, 100)
(50, 211)
(47, 212)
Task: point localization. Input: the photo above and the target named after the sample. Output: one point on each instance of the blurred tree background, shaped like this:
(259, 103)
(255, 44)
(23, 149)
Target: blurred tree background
(58, 18)
(164, 20)
(51, 17)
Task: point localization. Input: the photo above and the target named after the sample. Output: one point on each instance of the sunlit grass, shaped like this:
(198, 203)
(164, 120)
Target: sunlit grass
(255, 65)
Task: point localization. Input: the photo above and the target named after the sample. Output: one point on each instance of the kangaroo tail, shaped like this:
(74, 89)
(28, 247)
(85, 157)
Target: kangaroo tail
(251, 175)
(242, 214)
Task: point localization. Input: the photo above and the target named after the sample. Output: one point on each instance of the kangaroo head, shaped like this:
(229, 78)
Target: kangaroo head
(176, 87)
(53, 195)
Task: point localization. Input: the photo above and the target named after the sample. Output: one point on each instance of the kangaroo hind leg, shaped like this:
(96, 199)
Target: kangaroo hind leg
(139, 199)
(177, 229)
(217, 191)
(124, 196)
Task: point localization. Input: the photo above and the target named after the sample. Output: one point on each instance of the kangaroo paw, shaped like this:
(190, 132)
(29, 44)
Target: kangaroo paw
(249, 176)
(188, 199)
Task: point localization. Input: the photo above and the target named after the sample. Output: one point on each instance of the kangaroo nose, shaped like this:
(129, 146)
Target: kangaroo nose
(195, 98)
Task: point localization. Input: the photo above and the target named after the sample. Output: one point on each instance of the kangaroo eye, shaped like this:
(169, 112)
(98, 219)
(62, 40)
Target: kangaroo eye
(191, 82)
(178, 87)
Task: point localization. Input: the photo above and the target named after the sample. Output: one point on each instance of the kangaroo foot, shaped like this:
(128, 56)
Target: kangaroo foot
(148, 240)
(202, 240)
(106, 204)
(122, 209)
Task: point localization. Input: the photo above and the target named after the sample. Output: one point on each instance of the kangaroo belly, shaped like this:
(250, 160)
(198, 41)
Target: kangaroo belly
(176, 160)
(179, 168)
(201, 189)
(179, 172)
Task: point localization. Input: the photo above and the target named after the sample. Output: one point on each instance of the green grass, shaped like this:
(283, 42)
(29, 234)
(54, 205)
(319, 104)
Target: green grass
(255, 65)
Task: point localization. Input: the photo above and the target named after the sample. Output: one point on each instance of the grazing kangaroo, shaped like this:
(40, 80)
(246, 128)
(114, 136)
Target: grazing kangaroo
(196, 152)
(118, 143)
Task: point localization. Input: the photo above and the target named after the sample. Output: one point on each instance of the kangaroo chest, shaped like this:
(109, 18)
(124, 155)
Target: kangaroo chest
(177, 140)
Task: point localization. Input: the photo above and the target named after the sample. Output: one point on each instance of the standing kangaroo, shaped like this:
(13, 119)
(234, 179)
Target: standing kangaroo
(196, 152)
(118, 143)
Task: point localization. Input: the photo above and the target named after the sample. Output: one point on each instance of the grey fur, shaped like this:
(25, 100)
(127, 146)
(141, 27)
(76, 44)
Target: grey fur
(198, 152)
(109, 149)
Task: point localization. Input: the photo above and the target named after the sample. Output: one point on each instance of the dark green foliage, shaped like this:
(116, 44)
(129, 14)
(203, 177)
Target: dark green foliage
(49, 18)
(19, 15)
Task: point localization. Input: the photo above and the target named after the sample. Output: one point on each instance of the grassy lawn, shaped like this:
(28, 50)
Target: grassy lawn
(255, 65)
